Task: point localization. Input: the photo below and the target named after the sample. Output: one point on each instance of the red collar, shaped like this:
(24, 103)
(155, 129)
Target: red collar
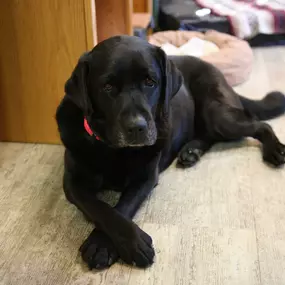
(89, 131)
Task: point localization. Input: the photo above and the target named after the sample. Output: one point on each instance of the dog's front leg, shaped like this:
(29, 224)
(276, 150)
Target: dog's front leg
(138, 191)
(116, 235)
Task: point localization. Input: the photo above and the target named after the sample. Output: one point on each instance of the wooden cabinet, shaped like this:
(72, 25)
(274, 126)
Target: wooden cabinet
(40, 42)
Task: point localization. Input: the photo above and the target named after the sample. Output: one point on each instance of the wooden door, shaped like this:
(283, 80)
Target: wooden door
(40, 42)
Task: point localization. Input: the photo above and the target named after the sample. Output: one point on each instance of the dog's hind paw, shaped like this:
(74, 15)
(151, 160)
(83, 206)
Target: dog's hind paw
(189, 156)
(275, 155)
(98, 251)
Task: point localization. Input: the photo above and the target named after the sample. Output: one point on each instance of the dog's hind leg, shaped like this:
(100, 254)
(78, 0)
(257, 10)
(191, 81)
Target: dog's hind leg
(228, 123)
(191, 153)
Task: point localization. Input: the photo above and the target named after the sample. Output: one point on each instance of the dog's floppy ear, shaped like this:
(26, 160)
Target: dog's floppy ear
(171, 81)
(76, 85)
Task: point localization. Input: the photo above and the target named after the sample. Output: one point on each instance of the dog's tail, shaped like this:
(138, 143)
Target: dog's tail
(269, 107)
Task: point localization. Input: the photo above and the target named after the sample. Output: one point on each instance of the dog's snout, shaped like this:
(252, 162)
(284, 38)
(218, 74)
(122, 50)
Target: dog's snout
(137, 126)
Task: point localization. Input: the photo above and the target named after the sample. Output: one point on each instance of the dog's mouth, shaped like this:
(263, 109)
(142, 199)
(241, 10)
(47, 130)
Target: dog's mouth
(124, 139)
(122, 142)
(141, 144)
(118, 137)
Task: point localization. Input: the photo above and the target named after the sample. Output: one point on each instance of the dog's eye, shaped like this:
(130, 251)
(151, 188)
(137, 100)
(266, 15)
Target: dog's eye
(149, 82)
(107, 87)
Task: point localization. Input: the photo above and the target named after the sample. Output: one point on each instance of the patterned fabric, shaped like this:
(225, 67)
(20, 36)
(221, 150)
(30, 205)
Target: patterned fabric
(249, 18)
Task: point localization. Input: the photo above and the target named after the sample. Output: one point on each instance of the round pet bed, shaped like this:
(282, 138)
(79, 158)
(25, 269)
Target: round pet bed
(232, 56)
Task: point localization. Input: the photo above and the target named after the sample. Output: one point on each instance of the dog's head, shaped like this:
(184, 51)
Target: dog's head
(124, 87)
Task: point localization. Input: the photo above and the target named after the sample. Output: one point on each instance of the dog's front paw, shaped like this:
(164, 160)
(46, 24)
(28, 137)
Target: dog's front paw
(274, 154)
(189, 156)
(136, 248)
(98, 251)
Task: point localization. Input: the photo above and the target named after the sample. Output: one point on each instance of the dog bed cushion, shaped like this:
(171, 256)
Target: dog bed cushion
(233, 57)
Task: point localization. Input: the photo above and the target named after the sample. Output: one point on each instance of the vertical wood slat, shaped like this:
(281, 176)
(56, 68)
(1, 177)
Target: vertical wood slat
(142, 6)
(114, 17)
(90, 23)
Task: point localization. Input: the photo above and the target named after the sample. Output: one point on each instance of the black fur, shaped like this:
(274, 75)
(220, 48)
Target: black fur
(147, 110)
(272, 105)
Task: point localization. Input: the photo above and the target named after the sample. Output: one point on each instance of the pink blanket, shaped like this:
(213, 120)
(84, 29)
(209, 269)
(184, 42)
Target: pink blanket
(250, 17)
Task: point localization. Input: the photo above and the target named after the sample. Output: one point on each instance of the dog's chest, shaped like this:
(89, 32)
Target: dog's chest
(121, 170)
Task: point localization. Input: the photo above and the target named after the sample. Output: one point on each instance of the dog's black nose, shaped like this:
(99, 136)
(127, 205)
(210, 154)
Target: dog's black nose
(137, 126)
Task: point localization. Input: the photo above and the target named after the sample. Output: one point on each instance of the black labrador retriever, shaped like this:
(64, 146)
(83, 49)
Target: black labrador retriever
(128, 112)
